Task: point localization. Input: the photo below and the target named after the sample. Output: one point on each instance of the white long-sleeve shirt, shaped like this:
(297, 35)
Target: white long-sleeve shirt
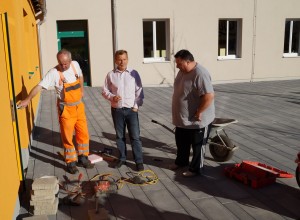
(127, 85)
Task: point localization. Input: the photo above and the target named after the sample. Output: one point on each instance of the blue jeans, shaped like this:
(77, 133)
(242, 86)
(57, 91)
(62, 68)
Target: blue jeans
(123, 117)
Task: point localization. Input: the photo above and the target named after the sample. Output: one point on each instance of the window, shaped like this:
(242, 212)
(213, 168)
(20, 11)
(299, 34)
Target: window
(291, 38)
(229, 39)
(155, 35)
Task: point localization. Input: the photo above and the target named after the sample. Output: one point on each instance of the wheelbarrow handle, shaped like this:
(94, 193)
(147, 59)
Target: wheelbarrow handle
(164, 126)
(222, 122)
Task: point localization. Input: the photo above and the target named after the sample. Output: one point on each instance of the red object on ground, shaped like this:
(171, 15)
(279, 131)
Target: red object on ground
(103, 186)
(255, 174)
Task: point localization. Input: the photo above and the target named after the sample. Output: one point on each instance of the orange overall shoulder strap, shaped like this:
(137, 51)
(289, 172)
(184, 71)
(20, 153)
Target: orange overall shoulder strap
(74, 70)
(61, 76)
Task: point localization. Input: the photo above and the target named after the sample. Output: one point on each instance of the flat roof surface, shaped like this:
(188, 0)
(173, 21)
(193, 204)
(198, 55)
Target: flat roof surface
(267, 132)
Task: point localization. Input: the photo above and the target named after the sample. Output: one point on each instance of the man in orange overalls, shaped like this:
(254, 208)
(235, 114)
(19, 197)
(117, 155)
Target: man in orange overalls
(67, 78)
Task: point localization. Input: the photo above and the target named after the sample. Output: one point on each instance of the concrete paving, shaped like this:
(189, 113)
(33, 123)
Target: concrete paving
(267, 132)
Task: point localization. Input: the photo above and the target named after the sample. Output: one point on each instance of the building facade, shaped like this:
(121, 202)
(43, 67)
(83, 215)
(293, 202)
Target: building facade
(236, 40)
(20, 71)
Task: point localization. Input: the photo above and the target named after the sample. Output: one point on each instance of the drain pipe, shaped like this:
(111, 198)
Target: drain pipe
(39, 23)
(254, 41)
(114, 25)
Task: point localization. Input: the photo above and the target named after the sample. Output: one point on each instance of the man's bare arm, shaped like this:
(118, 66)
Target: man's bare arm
(32, 94)
(81, 80)
(206, 100)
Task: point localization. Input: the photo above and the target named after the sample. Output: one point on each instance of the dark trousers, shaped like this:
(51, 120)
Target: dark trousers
(123, 117)
(187, 138)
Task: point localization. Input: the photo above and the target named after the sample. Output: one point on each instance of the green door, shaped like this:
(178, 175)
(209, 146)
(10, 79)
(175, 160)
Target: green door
(77, 43)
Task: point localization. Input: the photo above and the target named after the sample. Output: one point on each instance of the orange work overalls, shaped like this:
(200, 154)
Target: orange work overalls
(72, 116)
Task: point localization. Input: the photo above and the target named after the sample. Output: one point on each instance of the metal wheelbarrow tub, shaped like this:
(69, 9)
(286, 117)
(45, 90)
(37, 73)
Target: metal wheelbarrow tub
(220, 145)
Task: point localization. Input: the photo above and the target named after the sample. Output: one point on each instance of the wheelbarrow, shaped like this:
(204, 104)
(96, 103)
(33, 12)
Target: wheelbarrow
(297, 172)
(220, 146)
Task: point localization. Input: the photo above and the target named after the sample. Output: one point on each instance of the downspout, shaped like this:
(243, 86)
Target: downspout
(114, 25)
(173, 48)
(254, 41)
(39, 23)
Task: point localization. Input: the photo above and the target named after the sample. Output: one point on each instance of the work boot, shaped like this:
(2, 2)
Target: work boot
(83, 161)
(119, 164)
(71, 167)
(174, 166)
(139, 167)
(189, 174)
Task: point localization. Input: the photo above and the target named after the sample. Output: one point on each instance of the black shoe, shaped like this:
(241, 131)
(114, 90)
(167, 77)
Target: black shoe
(119, 164)
(83, 161)
(71, 167)
(189, 174)
(174, 166)
(139, 167)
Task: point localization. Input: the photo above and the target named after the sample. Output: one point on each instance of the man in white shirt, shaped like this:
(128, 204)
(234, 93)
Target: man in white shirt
(123, 88)
(67, 78)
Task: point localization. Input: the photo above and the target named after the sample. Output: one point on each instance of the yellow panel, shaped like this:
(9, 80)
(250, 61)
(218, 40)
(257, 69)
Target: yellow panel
(29, 63)
(9, 169)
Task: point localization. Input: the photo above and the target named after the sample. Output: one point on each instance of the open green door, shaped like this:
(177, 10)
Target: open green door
(72, 35)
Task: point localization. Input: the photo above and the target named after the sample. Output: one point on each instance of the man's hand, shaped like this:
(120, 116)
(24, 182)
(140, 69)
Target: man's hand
(117, 98)
(198, 116)
(23, 104)
(134, 109)
(32, 93)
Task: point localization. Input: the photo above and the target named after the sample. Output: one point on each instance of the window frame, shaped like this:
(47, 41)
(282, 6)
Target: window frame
(290, 40)
(238, 53)
(156, 59)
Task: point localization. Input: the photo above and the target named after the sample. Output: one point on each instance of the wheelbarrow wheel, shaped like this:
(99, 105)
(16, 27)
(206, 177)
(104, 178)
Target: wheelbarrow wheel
(298, 176)
(219, 153)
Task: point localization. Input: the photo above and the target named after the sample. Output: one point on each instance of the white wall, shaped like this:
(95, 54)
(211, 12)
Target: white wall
(98, 14)
(193, 26)
(269, 61)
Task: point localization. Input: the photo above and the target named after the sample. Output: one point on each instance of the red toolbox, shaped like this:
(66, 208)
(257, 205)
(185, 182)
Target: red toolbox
(255, 174)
